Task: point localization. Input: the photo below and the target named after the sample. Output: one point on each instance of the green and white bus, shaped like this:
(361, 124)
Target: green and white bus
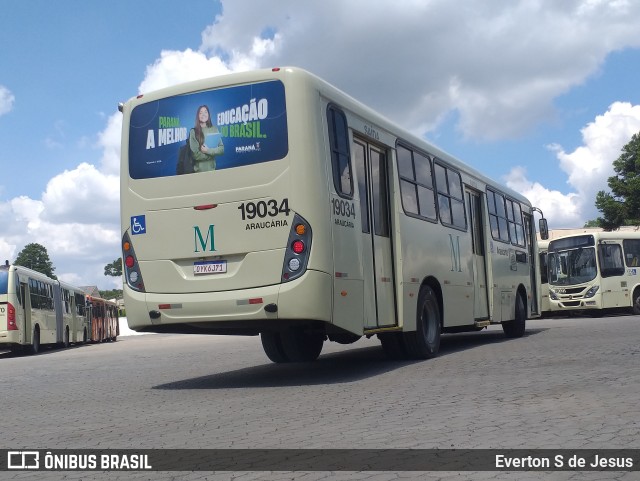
(595, 271)
(36, 310)
(308, 217)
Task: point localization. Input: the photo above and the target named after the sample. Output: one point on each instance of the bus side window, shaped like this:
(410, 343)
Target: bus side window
(450, 201)
(611, 262)
(340, 155)
(19, 295)
(544, 274)
(632, 252)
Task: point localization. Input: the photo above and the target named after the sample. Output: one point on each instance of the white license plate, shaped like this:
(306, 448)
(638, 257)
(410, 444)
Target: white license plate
(210, 267)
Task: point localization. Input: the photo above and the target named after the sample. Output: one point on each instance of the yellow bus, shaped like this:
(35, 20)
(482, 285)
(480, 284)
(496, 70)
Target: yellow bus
(272, 203)
(36, 310)
(595, 271)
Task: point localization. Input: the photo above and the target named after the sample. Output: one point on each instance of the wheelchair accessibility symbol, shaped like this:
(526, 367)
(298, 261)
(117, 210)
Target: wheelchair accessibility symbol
(138, 225)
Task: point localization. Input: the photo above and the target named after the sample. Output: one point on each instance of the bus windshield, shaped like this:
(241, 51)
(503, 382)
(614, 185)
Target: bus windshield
(209, 130)
(573, 266)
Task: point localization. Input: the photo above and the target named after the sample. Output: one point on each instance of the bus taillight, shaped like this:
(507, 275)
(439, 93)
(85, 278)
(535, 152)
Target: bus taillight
(298, 247)
(11, 318)
(132, 274)
(297, 253)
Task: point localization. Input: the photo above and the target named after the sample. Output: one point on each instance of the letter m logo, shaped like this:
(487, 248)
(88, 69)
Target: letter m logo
(204, 243)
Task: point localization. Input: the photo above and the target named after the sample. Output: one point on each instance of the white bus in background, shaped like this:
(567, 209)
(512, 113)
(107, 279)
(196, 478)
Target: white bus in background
(595, 271)
(36, 310)
(312, 218)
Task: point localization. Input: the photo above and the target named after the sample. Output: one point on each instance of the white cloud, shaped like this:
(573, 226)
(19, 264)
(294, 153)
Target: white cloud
(82, 195)
(174, 67)
(109, 142)
(6, 100)
(588, 167)
(499, 65)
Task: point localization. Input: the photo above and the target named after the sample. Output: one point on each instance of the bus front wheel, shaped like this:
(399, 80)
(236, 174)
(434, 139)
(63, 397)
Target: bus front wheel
(515, 328)
(636, 302)
(424, 342)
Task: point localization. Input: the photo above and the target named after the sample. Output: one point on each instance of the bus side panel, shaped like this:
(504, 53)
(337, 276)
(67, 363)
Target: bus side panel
(458, 289)
(615, 292)
(444, 255)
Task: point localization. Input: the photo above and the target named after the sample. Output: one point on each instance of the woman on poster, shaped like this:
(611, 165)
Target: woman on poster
(205, 141)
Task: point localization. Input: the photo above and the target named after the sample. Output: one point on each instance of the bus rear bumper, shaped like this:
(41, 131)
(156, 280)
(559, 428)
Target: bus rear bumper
(306, 298)
(9, 338)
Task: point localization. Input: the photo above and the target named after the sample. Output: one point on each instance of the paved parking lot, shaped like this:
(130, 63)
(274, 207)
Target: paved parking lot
(570, 383)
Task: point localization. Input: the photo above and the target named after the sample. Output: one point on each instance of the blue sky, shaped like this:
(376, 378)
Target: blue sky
(539, 94)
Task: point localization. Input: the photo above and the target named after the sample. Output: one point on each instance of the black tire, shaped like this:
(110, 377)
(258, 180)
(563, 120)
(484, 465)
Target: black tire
(424, 342)
(516, 327)
(636, 302)
(35, 344)
(301, 346)
(272, 345)
(84, 336)
(393, 345)
(65, 338)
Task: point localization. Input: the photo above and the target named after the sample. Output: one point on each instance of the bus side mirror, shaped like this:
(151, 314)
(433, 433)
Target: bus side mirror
(543, 228)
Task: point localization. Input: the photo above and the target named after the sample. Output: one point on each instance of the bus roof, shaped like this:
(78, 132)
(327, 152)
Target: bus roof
(332, 93)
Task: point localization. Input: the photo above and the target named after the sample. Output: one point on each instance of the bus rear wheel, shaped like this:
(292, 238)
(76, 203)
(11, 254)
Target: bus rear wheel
(272, 346)
(424, 342)
(35, 344)
(292, 345)
(300, 345)
(516, 328)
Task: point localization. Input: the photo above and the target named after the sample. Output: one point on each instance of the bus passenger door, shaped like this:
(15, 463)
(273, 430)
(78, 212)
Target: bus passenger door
(377, 260)
(27, 329)
(481, 293)
(530, 234)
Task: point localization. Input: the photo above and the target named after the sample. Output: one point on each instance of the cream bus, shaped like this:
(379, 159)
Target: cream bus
(272, 203)
(36, 310)
(595, 271)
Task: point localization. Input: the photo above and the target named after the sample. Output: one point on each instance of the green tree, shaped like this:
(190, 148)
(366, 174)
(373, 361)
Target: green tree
(592, 223)
(622, 205)
(114, 269)
(111, 294)
(35, 256)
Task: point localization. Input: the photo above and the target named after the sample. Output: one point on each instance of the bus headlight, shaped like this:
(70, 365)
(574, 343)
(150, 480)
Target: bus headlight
(591, 292)
(552, 295)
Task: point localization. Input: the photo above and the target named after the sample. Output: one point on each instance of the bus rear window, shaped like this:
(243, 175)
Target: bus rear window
(208, 130)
